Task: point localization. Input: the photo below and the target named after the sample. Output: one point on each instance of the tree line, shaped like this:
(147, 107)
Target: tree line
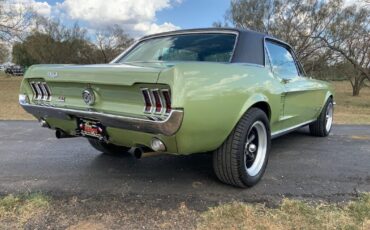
(38, 40)
(51, 42)
(331, 39)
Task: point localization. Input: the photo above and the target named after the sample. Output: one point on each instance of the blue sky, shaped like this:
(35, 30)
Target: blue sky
(137, 17)
(193, 13)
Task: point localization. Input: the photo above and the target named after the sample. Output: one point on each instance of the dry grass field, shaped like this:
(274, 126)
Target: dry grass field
(290, 214)
(349, 109)
(37, 211)
(9, 107)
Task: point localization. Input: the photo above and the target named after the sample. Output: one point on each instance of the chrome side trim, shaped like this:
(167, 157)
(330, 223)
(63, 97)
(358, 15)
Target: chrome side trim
(168, 127)
(290, 129)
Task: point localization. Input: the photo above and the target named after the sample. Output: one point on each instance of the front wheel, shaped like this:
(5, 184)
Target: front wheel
(108, 148)
(242, 159)
(322, 126)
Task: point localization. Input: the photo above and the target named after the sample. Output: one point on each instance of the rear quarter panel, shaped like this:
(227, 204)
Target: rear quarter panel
(214, 97)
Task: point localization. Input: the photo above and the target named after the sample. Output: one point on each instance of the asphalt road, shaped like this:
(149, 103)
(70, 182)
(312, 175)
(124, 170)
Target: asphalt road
(300, 166)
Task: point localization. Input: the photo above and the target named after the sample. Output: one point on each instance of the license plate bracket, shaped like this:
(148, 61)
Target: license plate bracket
(90, 128)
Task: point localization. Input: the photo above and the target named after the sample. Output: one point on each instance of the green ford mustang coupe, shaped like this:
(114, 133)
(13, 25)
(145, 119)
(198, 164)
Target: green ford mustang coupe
(228, 91)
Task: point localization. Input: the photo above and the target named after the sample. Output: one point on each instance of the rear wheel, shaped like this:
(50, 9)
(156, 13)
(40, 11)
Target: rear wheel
(322, 126)
(242, 159)
(108, 148)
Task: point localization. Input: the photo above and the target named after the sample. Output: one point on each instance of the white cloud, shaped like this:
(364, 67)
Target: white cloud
(137, 17)
(41, 8)
(359, 3)
(155, 28)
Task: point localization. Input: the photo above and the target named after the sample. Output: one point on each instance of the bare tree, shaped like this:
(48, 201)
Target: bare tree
(349, 36)
(14, 20)
(293, 21)
(4, 53)
(111, 41)
(322, 32)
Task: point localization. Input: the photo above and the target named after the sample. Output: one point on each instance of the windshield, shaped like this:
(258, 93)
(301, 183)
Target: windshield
(186, 47)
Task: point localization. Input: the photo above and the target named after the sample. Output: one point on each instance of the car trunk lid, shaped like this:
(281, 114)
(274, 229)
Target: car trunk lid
(113, 74)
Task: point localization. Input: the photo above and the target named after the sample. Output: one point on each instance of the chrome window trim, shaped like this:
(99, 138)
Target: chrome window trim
(118, 59)
(301, 72)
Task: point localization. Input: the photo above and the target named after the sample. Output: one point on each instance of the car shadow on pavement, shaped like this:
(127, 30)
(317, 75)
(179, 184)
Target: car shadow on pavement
(176, 173)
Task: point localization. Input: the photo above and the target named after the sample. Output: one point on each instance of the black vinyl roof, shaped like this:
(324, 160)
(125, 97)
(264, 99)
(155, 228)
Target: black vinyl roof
(249, 47)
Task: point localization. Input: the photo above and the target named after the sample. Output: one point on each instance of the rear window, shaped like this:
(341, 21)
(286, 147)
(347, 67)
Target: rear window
(185, 47)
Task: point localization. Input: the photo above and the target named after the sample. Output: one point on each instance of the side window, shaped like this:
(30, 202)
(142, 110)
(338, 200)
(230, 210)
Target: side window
(282, 61)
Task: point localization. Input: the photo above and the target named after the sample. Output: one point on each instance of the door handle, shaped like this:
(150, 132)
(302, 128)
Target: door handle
(285, 81)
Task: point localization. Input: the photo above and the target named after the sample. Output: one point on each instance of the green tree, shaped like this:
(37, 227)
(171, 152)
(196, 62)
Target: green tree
(51, 43)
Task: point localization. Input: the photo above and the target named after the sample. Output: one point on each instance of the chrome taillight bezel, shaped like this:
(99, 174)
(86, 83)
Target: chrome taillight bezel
(156, 99)
(167, 109)
(147, 95)
(41, 91)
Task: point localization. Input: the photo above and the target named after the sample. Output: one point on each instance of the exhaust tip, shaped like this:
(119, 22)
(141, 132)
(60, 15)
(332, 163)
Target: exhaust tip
(44, 124)
(61, 134)
(138, 153)
(157, 145)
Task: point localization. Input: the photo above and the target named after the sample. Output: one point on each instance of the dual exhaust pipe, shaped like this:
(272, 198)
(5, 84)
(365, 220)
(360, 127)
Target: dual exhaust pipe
(60, 134)
(156, 144)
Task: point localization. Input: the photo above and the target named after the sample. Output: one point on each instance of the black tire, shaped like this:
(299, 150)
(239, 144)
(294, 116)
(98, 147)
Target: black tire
(110, 149)
(318, 128)
(229, 160)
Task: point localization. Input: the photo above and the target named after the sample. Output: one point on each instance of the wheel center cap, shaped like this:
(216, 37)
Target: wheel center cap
(252, 148)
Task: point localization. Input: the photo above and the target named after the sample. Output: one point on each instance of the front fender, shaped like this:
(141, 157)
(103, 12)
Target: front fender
(329, 93)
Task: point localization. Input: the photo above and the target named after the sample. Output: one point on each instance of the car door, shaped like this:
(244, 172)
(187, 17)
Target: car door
(301, 101)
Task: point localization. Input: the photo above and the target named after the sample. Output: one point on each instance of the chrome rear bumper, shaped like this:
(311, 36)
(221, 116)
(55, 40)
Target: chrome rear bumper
(168, 127)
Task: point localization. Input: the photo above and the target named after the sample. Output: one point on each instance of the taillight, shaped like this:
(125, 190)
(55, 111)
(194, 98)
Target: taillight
(147, 100)
(47, 90)
(157, 101)
(41, 91)
(35, 91)
(167, 100)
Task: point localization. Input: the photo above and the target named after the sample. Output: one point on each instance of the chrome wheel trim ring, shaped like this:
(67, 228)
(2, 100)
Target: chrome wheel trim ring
(261, 148)
(329, 117)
